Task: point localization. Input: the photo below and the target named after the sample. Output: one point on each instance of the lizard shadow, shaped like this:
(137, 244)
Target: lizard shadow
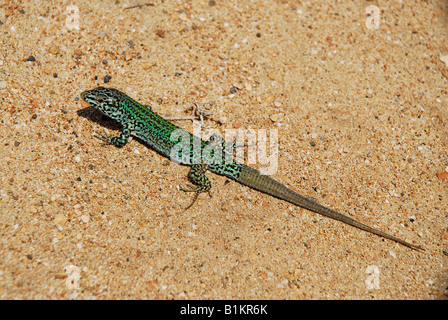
(96, 116)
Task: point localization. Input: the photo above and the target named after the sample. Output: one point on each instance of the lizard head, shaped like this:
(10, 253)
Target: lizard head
(106, 100)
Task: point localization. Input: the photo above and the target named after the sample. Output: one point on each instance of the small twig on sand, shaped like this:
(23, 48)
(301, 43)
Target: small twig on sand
(140, 5)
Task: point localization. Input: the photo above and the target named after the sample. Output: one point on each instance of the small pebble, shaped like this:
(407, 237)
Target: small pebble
(60, 219)
(54, 50)
(147, 65)
(3, 84)
(274, 117)
(442, 175)
(444, 59)
(222, 120)
(160, 33)
(183, 16)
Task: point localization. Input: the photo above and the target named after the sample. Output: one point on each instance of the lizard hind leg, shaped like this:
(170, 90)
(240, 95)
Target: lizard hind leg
(199, 179)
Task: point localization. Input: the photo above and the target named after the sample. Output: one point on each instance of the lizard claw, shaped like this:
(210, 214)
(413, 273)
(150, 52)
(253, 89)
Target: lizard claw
(196, 190)
(192, 202)
(188, 188)
(103, 137)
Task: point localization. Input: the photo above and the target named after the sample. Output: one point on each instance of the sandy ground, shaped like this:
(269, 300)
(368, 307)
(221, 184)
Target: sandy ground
(361, 116)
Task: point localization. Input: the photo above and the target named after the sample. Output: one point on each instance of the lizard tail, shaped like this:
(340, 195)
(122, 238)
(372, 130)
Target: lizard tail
(255, 180)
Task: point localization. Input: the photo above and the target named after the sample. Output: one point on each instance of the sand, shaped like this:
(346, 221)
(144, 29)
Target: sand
(362, 121)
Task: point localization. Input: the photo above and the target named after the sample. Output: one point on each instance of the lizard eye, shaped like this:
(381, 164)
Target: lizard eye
(99, 100)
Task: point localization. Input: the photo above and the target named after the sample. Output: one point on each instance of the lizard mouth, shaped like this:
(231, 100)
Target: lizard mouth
(83, 95)
(85, 102)
(87, 97)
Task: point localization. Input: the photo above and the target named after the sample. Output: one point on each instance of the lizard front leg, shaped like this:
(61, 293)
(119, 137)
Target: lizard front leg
(118, 141)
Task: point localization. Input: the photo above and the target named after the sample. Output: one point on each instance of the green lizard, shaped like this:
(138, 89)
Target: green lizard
(140, 121)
